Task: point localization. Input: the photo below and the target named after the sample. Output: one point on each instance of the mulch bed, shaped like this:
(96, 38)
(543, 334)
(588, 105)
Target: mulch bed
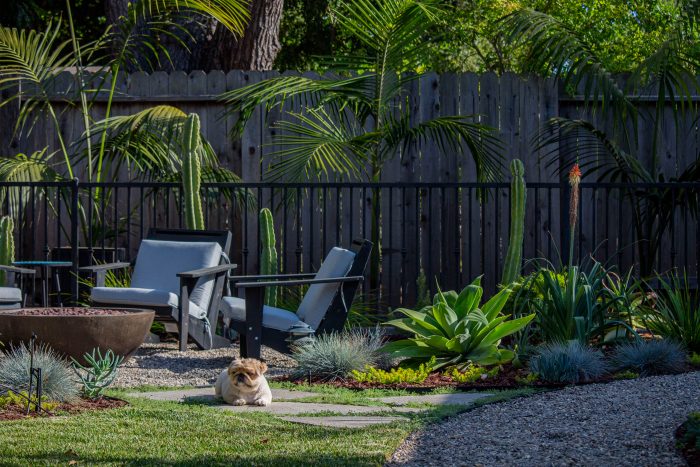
(74, 311)
(15, 412)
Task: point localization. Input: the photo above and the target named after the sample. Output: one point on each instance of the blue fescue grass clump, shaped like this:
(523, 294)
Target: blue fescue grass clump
(568, 363)
(57, 376)
(651, 357)
(334, 356)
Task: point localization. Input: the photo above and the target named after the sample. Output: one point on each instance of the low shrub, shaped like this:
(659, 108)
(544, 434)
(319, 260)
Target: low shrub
(689, 438)
(650, 357)
(471, 374)
(528, 380)
(20, 400)
(334, 356)
(568, 363)
(694, 359)
(99, 374)
(627, 374)
(57, 376)
(395, 375)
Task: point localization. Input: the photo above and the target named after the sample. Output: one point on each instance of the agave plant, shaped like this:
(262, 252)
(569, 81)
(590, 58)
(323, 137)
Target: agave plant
(456, 330)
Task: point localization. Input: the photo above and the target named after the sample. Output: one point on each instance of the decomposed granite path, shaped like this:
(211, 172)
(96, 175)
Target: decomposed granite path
(289, 405)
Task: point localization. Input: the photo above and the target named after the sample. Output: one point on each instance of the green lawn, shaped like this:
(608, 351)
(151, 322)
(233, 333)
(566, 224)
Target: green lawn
(152, 432)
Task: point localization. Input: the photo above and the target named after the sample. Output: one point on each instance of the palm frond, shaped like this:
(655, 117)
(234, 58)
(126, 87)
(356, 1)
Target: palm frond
(452, 135)
(592, 149)
(317, 144)
(24, 168)
(354, 91)
(232, 14)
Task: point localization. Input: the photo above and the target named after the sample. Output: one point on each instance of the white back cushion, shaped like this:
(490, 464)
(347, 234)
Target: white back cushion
(159, 261)
(319, 296)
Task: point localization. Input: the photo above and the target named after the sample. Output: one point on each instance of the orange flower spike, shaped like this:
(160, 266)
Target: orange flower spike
(575, 175)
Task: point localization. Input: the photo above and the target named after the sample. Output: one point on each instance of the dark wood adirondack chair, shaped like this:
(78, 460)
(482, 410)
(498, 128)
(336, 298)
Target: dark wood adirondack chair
(181, 275)
(324, 307)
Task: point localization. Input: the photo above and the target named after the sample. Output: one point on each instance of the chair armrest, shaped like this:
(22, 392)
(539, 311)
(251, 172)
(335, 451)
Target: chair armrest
(330, 280)
(105, 267)
(206, 271)
(17, 270)
(302, 275)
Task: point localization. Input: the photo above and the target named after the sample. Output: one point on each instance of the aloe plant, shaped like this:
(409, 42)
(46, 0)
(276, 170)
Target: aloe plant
(100, 372)
(518, 194)
(7, 244)
(268, 254)
(192, 174)
(456, 330)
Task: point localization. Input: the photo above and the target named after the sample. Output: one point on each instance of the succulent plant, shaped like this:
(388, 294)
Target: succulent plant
(100, 372)
(268, 253)
(192, 174)
(7, 245)
(518, 194)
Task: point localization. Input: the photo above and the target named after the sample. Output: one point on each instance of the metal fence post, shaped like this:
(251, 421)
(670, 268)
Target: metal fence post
(74, 241)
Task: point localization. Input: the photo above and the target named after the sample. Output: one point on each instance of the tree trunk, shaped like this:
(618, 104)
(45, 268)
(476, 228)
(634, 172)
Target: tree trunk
(215, 47)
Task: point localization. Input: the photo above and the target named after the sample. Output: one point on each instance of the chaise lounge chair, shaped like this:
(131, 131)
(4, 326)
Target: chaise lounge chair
(11, 297)
(324, 307)
(177, 273)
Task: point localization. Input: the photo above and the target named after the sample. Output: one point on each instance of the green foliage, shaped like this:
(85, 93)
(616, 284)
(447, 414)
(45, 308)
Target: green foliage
(20, 400)
(192, 173)
(268, 253)
(472, 373)
(569, 362)
(57, 375)
(650, 357)
(627, 374)
(675, 313)
(691, 437)
(456, 330)
(7, 245)
(334, 356)
(422, 290)
(100, 372)
(527, 380)
(395, 375)
(518, 194)
(694, 359)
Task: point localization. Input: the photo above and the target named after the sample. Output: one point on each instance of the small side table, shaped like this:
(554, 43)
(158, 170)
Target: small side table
(46, 268)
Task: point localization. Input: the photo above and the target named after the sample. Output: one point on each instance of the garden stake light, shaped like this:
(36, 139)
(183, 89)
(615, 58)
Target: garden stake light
(574, 180)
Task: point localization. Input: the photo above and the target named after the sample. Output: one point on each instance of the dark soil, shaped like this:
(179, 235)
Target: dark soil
(75, 311)
(15, 412)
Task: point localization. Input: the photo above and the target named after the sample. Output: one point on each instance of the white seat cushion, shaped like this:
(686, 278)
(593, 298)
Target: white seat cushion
(10, 295)
(318, 298)
(275, 318)
(145, 298)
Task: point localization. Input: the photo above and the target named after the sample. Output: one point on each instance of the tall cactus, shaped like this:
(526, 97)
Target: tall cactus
(518, 193)
(7, 244)
(268, 255)
(192, 174)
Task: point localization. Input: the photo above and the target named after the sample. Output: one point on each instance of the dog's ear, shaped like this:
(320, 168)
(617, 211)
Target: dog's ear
(262, 367)
(234, 364)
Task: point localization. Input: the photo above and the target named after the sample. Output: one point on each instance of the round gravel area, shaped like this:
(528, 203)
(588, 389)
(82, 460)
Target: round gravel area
(163, 365)
(623, 423)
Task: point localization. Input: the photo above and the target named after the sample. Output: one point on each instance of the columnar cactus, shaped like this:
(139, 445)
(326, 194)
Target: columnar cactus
(7, 244)
(268, 255)
(192, 174)
(518, 193)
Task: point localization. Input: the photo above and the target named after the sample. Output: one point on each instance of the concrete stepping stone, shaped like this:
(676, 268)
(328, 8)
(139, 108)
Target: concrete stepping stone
(205, 394)
(343, 422)
(296, 408)
(436, 399)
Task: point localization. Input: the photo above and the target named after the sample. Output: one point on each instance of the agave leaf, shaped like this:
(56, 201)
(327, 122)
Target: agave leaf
(445, 316)
(468, 299)
(507, 328)
(450, 298)
(494, 306)
(407, 324)
(477, 316)
(422, 317)
(437, 342)
(409, 348)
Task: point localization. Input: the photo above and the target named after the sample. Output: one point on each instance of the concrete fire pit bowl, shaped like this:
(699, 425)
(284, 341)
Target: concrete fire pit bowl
(76, 331)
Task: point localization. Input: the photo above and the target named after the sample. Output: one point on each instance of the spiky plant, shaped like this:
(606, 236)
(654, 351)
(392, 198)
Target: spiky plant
(518, 194)
(570, 362)
(268, 253)
(651, 357)
(58, 380)
(7, 245)
(192, 173)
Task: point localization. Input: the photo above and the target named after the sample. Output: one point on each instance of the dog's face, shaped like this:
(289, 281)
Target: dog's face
(246, 372)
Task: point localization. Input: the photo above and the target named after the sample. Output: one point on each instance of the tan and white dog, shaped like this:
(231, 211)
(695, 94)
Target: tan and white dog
(243, 383)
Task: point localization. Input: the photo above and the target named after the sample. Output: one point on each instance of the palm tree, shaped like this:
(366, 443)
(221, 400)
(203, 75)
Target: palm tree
(148, 142)
(668, 75)
(355, 118)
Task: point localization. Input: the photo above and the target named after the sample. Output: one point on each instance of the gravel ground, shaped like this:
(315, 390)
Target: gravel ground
(622, 423)
(162, 365)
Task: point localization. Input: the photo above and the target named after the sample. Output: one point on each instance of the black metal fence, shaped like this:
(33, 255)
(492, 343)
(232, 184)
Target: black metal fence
(448, 233)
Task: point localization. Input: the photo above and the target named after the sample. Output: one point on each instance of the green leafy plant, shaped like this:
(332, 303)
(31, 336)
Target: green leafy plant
(57, 376)
(472, 373)
(192, 173)
(571, 362)
(268, 253)
(527, 380)
(694, 359)
(395, 375)
(689, 439)
(675, 314)
(100, 372)
(518, 193)
(335, 355)
(422, 290)
(19, 399)
(651, 357)
(627, 374)
(456, 330)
